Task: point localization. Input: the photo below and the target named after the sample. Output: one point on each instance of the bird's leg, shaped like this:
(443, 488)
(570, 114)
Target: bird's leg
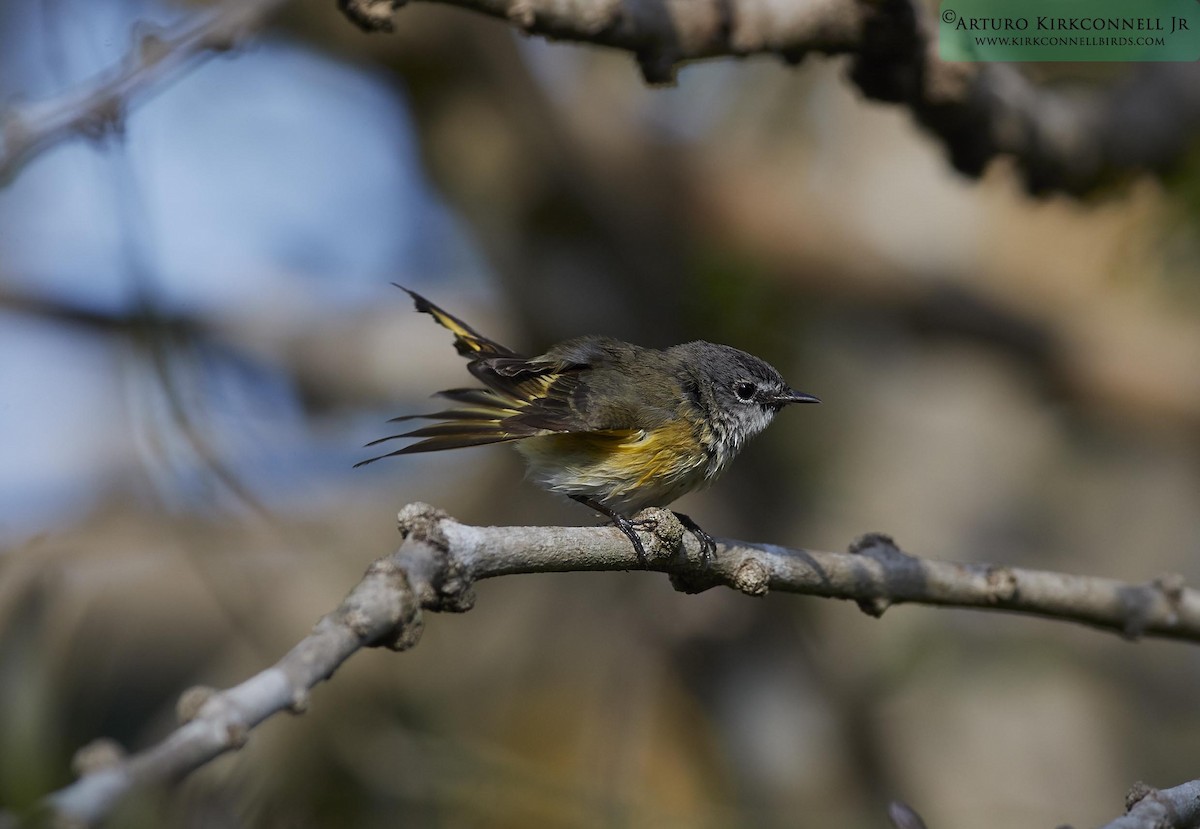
(708, 544)
(621, 522)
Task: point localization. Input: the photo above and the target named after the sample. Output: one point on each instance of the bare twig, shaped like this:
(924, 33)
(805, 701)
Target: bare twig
(440, 560)
(1072, 141)
(1149, 808)
(97, 108)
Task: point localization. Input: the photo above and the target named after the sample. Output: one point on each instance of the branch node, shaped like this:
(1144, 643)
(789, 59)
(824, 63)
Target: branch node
(690, 582)
(408, 634)
(864, 544)
(449, 583)
(882, 548)
(106, 118)
(152, 43)
(1002, 584)
(875, 608)
(383, 609)
(1138, 792)
(752, 578)
(657, 65)
(371, 15)
(600, 17)
(793, 56)
(236, 734)
(453, 587)
(358, 621)
(191, 701)
(406, 618)
(666, 533)
(1140, 603)
(96, 756)
(692, 570)
(421, 522)
(903, 816)
(522, 14)
(299, 701)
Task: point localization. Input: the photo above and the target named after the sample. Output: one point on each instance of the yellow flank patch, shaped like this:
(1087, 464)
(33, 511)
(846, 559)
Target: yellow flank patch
(618, 466)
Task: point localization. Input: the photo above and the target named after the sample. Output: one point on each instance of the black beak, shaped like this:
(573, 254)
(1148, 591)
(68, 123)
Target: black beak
(792, 396)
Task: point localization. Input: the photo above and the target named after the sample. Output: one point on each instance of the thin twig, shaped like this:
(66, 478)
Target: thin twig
(439, 561)
(98, 107)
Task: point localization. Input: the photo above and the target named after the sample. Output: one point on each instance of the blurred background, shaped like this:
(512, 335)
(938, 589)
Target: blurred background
(197, 335)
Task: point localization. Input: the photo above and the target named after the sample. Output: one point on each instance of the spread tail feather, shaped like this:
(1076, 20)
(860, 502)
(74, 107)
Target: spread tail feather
(438, 443)
(458, 428)
(480, 415)
(467, 341)
(476, 424)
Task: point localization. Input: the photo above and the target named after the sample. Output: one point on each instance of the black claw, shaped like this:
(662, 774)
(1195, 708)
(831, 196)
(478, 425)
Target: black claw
(626, 526)
(621, 522)
(708, 544)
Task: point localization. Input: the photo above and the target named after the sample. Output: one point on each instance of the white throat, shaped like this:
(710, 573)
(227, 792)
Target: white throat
(730, 433)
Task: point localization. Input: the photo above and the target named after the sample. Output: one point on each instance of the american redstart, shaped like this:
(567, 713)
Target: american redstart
(612, 425)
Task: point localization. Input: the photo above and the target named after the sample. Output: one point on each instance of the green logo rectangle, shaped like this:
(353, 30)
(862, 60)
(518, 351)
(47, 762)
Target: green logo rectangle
(1069, 30)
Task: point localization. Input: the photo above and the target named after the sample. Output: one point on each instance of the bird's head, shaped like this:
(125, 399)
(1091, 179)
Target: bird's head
(736, 393)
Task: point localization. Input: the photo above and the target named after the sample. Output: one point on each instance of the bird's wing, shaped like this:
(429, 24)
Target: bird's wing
(514, 406)
(581, 385)
(532, 395)
(523, 397)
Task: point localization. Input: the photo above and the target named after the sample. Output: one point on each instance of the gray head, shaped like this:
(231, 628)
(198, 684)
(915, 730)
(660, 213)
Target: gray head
(738, 393)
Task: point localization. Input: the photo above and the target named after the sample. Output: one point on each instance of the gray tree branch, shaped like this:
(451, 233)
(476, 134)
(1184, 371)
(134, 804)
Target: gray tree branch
(1073, 141)
(439, 561)
(98, 108)
(1149, 808)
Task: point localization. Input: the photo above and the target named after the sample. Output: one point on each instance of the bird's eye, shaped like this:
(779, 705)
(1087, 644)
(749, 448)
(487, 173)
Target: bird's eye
(745, 391)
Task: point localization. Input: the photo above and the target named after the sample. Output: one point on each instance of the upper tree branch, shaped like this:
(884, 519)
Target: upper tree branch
(98, 107)
(440, 560)
(1069, 141)
(1061, 141)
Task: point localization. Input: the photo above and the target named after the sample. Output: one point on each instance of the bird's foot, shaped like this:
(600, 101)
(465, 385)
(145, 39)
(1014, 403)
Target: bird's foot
(648, 521)
(625, 525)
(708, 544)
(630, 528)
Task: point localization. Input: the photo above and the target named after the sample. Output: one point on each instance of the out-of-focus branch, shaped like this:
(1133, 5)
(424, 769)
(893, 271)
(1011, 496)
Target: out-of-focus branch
(439, 561)
(1069, 141)
(98, 107)
(1145, 808)
(665, 33)
(1149, 808)
(903, 816)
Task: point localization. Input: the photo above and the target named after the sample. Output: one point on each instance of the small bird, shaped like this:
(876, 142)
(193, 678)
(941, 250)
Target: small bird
(612, 425)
